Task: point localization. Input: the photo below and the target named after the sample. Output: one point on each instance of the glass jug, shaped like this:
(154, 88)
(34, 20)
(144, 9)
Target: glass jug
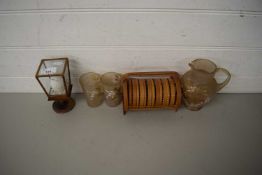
(199, 84)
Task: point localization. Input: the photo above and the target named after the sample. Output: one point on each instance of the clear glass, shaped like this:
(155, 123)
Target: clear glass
(112, 88)
(52, 67)
(92, 88)
(54, 85)
(54, 82)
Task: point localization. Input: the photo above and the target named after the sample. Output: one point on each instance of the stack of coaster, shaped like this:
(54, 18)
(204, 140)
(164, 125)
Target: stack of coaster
(151, 90)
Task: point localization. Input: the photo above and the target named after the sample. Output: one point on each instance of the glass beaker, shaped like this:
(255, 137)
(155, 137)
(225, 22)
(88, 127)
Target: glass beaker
(92, 88)
(112, 88)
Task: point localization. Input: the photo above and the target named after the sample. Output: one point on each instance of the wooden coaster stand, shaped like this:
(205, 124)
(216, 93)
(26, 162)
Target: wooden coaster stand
(151, 90)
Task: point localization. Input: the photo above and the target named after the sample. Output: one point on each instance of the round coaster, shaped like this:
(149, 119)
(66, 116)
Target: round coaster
(142, 91)
(130, 94)
(178, 93)
(172, 92)
(135, 92)
(150, 93)
(125, 95)
(166, 92)
(159, 92)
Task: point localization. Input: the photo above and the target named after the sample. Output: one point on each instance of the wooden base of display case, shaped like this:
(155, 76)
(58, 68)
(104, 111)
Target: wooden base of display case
(64, 106)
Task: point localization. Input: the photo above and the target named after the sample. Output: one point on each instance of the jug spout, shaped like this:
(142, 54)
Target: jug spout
(204, 65)
(191, 66)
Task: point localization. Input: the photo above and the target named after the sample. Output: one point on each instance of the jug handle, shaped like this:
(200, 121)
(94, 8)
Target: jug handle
(224, 83)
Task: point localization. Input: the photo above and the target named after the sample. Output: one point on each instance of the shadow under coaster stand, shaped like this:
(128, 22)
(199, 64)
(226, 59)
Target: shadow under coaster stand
(151, 90)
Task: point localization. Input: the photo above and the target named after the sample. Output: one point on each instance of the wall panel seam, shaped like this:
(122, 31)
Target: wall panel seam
(133, 10)
(129, 47)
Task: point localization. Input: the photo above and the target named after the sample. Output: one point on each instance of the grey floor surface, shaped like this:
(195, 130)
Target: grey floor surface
(225, 137)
